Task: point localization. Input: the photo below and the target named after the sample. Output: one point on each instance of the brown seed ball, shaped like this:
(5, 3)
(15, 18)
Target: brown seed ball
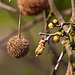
(32, 7)
(17, 47)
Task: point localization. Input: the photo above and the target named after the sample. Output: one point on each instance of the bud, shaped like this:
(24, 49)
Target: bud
(40, 48)
(55, 21)
(56, 39)
(50, 25)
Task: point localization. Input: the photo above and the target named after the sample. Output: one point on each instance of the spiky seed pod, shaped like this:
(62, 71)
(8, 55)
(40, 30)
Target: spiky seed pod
(17, 47)
(32, 7)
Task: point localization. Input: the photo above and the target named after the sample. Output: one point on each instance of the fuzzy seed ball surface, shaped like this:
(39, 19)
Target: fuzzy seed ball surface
(17, 47)
(32, 7)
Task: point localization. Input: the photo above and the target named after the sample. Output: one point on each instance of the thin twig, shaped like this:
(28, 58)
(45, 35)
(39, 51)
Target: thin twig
(24, 27)
(67, 12)
(2, 5)
(47, 30)
(68, 31)
(63, 24)
(58, 62)
(48, 37)
(45, 21)
(48, 34)
(55, 53)
(73, 10)
(51, 48)
(19, 27)
(57, 13)
(50, 15)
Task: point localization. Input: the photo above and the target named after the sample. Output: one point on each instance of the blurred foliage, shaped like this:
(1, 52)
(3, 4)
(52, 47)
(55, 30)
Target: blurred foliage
(28, 65)
(63, 4)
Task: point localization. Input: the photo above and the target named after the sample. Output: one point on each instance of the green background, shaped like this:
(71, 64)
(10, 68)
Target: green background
(29, 65)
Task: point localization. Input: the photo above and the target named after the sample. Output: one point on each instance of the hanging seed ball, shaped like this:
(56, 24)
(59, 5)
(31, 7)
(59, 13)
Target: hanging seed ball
(32, 7)
(17, 47)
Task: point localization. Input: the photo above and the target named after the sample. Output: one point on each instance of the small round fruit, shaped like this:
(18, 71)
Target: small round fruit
(55, 21)
(50, 25)
(56, 39)
(17, 47)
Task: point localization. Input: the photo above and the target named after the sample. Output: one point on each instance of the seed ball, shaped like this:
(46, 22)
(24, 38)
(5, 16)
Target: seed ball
(17, 47)
(56, 39)
(32, 7)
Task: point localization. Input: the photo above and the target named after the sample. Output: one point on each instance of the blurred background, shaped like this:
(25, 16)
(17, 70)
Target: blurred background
(29, 65)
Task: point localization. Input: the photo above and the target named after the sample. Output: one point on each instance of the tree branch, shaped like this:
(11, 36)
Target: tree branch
(45, 21)
(2, 5)
(47, 30)
(73, 11)
(48, 36)
(57, 13)
(67, 12)
(19, 26)
(58, 62)
(24, 27)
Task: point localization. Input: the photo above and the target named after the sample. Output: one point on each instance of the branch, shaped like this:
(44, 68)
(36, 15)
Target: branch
(45, 21)
(57, 13)
(55, 53)
(47, 38)
(47, 34)
(2, 5)
(73, 11)
(24, 27)
(52, 49)
(71, 58)
(58, 62)
(67, 12)
(19, 26)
